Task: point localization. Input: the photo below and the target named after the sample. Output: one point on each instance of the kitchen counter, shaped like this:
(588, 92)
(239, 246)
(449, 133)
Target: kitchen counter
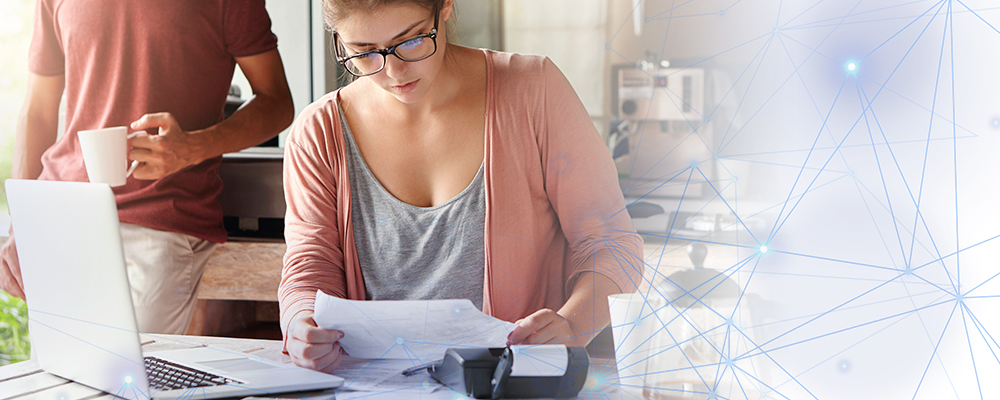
(239, 271)
(243, 271)
(238, 293)
(662, 260)
(252, 270)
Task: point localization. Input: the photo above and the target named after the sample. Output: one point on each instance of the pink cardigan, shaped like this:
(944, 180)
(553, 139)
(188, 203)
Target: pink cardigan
(553, 205)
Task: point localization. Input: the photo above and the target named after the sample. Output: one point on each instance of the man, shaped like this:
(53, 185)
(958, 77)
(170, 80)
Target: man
(163, 68)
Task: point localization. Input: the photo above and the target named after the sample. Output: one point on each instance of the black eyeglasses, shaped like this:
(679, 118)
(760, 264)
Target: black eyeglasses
(371, 62)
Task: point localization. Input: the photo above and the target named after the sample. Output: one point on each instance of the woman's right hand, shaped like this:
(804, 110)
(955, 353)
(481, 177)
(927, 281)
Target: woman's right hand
(311, 346)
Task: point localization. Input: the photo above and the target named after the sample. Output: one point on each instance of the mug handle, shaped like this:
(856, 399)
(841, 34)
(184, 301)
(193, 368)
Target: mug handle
(135, 163)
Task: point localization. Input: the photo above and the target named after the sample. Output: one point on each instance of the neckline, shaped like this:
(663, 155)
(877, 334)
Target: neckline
(385, 192)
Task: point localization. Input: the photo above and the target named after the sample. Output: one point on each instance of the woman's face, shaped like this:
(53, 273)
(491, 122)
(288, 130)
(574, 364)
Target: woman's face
(408, 82)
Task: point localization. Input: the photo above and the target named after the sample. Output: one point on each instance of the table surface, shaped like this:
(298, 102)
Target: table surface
(255, 268)
(26, 381)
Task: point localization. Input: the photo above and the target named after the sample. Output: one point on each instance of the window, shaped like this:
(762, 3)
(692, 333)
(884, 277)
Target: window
(15, 35)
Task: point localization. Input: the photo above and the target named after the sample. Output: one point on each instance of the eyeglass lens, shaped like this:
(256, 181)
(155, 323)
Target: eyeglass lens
(415, 49)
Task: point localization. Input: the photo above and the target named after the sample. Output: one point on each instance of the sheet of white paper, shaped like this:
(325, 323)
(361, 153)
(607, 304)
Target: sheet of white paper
(420, 330)
(443, 394)
(539, 360)
(382, 375)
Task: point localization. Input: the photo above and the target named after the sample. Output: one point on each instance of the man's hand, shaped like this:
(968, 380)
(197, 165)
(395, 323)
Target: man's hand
(170, 151)
(546, 326)
(10, 271)
(311, 346)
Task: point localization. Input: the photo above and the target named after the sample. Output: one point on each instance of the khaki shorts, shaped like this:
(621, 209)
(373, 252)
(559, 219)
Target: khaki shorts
(164, 269)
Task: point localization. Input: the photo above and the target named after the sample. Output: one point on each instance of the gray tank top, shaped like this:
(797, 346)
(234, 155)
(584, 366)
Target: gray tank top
(416, 253)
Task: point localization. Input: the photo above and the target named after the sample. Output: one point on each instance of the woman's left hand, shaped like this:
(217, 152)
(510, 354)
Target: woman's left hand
(546, 326)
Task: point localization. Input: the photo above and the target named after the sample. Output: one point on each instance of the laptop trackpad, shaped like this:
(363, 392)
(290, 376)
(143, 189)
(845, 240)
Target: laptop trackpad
(236, 365)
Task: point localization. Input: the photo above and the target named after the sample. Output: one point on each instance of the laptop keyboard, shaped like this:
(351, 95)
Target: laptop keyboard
(165, 375)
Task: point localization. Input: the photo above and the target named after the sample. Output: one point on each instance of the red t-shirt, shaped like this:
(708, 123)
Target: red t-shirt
(123, 59)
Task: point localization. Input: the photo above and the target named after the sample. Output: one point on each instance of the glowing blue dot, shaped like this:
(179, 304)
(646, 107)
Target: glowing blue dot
(729, 321)
(908, 270)
(399, 340)
(722, 12)
(694, 164)
(959, 297)
(763, 249)
(638, 320)
(852, 66)
(729, 362)
(995, 122)
(776, 30)
(128, 379)
(844, 366)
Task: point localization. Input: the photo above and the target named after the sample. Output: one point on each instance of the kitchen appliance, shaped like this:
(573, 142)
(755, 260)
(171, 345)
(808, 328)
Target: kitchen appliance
(252, 198)
(662, 94)
(660, 132)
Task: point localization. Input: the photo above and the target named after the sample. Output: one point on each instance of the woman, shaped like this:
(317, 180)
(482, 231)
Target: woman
(449, 172)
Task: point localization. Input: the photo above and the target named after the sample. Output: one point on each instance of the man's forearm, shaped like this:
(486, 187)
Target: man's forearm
(261, 119)
(37, 125)
(33, 137)
(269, 111)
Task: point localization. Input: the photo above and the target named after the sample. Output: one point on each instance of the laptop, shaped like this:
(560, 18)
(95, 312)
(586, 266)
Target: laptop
(81, 320)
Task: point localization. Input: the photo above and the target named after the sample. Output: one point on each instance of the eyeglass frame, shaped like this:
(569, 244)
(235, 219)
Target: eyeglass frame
(386, 51)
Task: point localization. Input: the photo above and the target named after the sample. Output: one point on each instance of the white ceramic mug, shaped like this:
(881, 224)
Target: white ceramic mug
(105, 154)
